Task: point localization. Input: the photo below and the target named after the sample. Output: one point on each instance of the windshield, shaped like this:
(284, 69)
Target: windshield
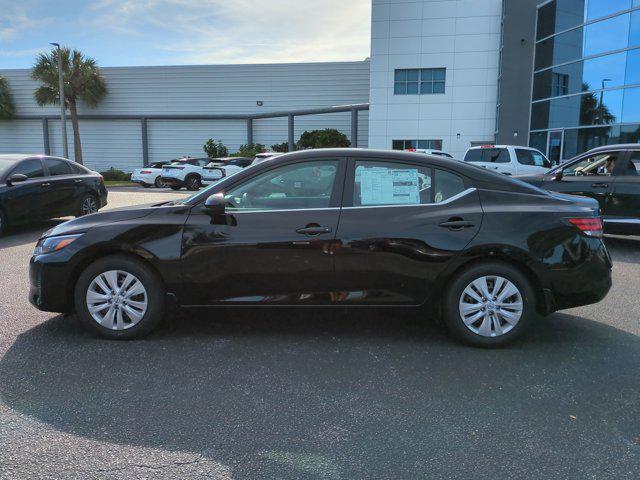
(5, 165)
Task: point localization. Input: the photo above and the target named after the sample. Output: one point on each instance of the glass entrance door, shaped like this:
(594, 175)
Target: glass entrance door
(554, 146)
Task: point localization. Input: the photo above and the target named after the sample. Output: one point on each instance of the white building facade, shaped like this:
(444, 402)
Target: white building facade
(434, 73)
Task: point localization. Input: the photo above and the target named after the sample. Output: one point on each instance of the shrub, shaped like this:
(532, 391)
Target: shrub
(215, 149)
(115, 175)
(281, 147)
(250, 150)
(327, 138)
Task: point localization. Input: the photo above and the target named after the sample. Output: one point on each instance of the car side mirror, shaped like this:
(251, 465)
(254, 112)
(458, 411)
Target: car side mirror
(215, 204)
(16, 178)
(558, 176)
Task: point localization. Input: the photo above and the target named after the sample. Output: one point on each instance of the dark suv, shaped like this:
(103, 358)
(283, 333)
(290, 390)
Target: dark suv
(611, 175)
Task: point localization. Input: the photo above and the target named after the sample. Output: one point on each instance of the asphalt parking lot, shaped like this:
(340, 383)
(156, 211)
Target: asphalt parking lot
(320, 395)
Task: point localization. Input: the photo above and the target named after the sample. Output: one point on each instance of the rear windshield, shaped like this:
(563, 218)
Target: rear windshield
(487, 155)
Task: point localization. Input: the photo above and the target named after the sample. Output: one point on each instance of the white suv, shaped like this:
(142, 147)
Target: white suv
(150, 175)
(219, 168)
(509, 159)
(186, 172)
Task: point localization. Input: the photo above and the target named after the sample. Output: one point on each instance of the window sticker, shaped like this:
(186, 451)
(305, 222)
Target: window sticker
(388, 186)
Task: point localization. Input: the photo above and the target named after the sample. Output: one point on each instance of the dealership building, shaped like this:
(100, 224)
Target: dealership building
(560, 75)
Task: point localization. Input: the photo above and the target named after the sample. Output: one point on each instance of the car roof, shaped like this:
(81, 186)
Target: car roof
(23, 156)
(491, 145)
(615, 146)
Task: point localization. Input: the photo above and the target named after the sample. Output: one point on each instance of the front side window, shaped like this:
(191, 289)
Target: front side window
(532, 158)
(419, 81)
(58, 167)
(298, 186)
(32, 168)
(599, 164)
(390, 183)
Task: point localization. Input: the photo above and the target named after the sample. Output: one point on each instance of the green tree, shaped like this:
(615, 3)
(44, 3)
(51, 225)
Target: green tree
(82, 82)
(7, 107)
(250, 150)
(592, 109)
(280, 147)
(327, 138)
(215, 149)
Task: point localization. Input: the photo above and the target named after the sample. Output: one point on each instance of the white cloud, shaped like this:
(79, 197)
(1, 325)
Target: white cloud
(244, 31)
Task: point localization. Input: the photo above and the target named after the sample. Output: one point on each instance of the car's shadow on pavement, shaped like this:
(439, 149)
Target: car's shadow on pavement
(23, 234)
(303, 394)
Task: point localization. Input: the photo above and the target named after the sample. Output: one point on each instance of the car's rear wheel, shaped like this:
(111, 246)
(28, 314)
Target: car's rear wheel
(159, 183)
(193, 183)
(119, 297)
(489, 305)
(88, 204)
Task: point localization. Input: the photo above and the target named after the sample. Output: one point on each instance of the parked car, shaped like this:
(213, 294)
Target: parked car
(39, 187)
(151, 175)
(219, 168)
(428, 151)
(186, 172)
(508, 159)
(335, 227)
(261, 157)
(609, 174)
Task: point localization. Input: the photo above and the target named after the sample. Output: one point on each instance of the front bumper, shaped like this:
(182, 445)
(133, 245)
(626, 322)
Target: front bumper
(48, 278)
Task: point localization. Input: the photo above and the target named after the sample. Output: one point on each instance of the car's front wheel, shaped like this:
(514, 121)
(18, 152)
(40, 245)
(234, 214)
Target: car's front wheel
(193, 183)
(119, 297)
(489, 304)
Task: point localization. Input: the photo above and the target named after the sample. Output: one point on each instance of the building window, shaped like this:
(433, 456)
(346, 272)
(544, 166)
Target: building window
(559, 84)
(419, 81)
(420, 144)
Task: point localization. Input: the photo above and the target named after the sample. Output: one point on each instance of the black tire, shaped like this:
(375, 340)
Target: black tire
(175, 187)
(454, 321)
(193, 183)
(3, 223)
(83, 207)
(159, 183)
(149, 279)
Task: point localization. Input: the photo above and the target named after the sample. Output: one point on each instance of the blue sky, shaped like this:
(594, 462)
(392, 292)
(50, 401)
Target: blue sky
(174, 32)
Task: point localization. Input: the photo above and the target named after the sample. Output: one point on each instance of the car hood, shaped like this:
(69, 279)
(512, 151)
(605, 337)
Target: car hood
(82, 224)
(537, 180)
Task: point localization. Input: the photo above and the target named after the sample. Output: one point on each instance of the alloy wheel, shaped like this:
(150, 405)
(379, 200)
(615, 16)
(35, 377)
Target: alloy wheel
(89, 205)
(117, 300)
(490, 306)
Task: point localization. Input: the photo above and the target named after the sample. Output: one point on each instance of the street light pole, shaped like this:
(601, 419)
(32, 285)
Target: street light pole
(63, 116)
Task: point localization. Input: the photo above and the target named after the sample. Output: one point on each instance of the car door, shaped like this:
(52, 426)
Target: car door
(623, 209)
(273, 245)
(400, 224)
(25, 201)
(61, 195)
(588, 176)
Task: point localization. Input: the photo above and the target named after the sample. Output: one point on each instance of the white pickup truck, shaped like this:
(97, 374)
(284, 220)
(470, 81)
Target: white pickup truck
(509, 159)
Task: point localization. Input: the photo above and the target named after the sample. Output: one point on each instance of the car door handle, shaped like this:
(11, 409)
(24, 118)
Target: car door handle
(313, 230)
(44, 185)
(79, 180)
(600, 185)
(457, 224)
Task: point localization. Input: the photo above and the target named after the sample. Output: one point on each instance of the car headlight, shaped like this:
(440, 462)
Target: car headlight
(53, 244)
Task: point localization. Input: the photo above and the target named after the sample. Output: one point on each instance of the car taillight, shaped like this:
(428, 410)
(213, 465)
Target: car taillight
(143, 172)
(591, 226)
(101, 178)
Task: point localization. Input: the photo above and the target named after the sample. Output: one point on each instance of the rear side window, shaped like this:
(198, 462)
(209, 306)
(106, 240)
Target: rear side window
(32, 168)
(78, 169)
(633, 166)
(390, 183)
(58, 167)
(446, 185)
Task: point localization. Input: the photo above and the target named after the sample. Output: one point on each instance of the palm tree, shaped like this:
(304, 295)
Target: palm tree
(82, 81)
(7, 107)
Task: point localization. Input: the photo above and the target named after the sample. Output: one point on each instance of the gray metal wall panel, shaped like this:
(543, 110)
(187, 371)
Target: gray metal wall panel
(21, 136)
(170, 139)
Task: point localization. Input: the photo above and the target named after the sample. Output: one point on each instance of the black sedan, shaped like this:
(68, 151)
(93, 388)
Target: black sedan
(38, 187)
(609, 174)
(335, 228)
